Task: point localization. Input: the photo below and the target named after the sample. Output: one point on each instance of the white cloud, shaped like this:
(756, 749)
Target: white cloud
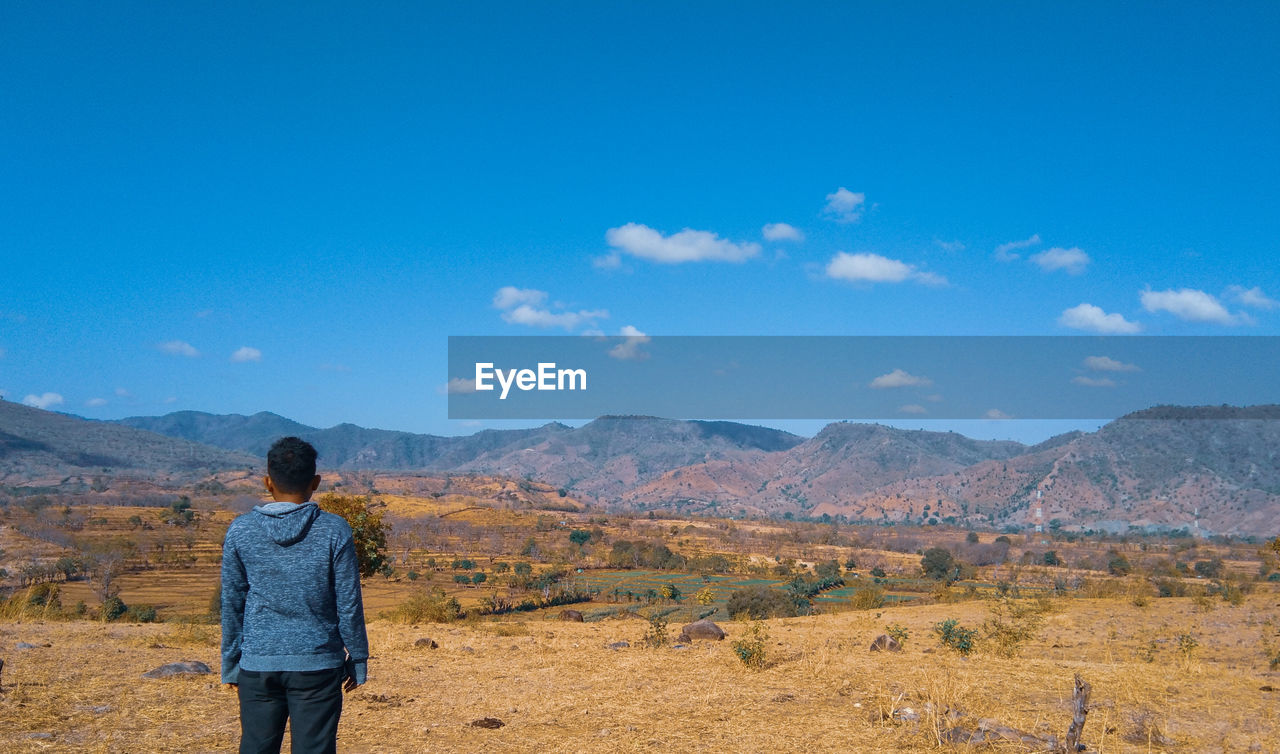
(951, 246)
(43, 401)
(332, 367)
(1108, 364)
(123, 393)
(524, 306)
(509, 297)
(246, 353)
(873, 268)
(171, 399)
(1251, 297)
(1187, 304)
(459, 386)
(845, 206)
(629, 349)
(686, 246)
(781, 232)
(179, 348)
(1005, 252)
(1094, 381)
(611, 261)
(1090, 317)
(1072, 260)
(899, 378)
(995, 413)
(535, 317)
(913, 408)
(96, 402)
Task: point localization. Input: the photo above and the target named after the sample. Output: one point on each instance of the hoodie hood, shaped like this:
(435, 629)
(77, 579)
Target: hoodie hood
(286, 523)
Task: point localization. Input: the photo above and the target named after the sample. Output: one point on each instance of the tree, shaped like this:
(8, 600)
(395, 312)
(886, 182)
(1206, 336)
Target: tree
(1208, 569)
(367, 529)
(1118, 565)
(938, 563)
(829, 569)
(579, 537)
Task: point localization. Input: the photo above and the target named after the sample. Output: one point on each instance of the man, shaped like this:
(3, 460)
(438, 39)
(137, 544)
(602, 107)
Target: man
(293, 636)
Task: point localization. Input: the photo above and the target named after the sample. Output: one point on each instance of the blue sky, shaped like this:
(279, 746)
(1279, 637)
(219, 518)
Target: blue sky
(234, 208)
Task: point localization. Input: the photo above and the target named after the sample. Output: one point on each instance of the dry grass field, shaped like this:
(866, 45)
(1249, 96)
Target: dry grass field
(1168, 674)
(557, 687)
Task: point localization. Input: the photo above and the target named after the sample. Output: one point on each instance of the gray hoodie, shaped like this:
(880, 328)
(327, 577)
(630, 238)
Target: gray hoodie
(291, 593)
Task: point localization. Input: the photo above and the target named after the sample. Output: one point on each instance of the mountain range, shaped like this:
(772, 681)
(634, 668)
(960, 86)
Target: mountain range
(1213, 470)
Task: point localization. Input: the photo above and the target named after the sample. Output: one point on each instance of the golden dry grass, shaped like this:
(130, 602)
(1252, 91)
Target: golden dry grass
(558, 688)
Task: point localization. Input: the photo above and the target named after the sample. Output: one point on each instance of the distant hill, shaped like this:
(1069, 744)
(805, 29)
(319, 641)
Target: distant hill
(843, 461)
(44, 448)
(600, 459)
(1211, 468)
(1214, 469)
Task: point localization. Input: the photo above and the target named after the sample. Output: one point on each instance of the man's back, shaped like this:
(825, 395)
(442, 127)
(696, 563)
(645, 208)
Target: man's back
(291, 581)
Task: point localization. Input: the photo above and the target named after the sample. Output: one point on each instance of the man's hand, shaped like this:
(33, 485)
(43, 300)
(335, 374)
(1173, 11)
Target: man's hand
(232, 686)
(349, 684)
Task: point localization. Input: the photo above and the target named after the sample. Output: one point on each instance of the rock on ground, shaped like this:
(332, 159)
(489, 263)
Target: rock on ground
(187, 667)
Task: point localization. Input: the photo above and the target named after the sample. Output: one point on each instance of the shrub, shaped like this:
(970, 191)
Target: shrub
(1012, 622)
(868, 598)
(39, 601)
(367, 529)
(1187, 645)
(141, 614)
(898, 633)
(1209, 569)
(655, 634)
(760, 602)
(113, 608)
(955, 637)
(1232, 594)
(939, 564)
(751, 647)
(432, 607)
(878, 572)
(1118, 564)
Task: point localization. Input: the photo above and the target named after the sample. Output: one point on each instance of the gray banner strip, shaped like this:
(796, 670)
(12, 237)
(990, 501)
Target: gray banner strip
(854, 377)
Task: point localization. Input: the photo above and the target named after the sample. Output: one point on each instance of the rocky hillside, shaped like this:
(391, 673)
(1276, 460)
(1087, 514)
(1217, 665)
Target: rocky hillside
(1214, 469)
(600, 460)
(47, 449)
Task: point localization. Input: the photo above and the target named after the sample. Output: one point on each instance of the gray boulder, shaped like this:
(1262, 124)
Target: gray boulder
(187, 667)
(885, 643)
(701, 629)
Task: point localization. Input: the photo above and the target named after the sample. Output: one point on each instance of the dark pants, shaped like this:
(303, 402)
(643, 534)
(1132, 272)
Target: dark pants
(311, 700)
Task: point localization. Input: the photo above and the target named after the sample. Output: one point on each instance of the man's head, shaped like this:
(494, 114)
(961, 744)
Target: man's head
(291, 470)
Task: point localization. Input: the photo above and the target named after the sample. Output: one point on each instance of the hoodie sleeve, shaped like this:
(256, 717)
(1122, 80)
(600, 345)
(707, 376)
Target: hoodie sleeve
(235, 585)
(346, 581)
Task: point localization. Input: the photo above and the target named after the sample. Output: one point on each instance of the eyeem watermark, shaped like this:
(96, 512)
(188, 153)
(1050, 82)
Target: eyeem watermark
(545, 377)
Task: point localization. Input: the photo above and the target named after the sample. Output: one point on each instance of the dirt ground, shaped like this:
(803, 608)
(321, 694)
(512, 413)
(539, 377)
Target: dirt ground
(557, 686)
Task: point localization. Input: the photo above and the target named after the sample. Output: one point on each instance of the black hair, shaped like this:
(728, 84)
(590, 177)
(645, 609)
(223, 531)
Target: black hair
(291, 464)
